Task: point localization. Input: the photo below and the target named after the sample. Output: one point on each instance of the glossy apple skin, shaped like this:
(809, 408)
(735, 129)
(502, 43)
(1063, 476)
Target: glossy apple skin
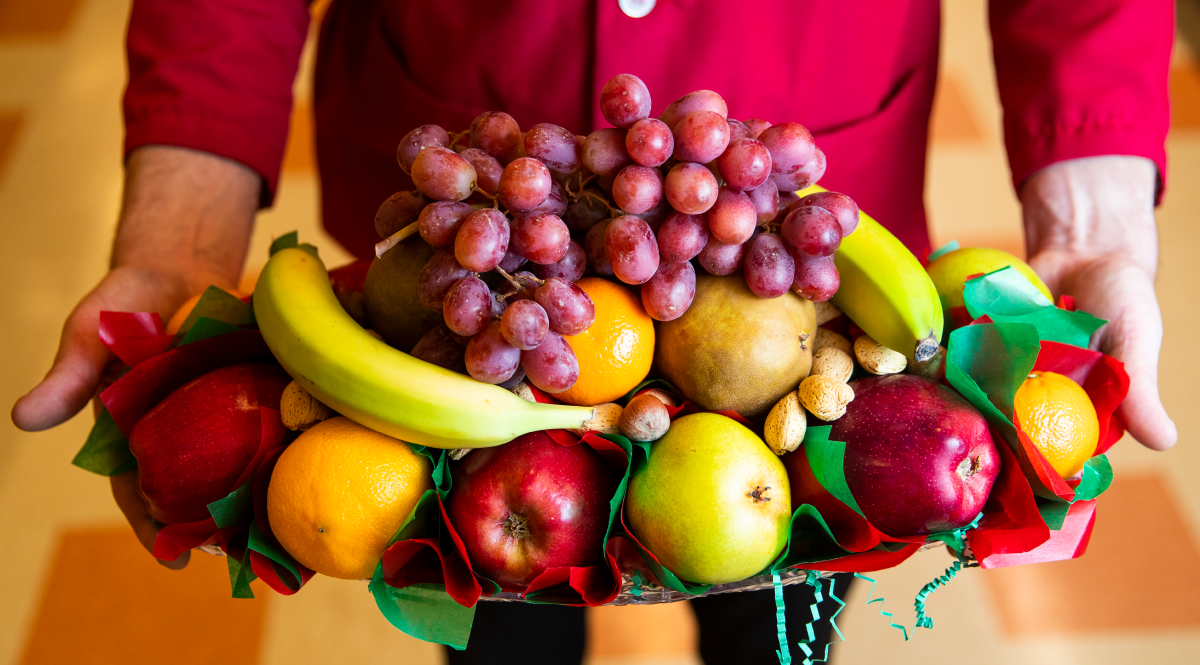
(192, 448)
(556, 495)
(919, 458)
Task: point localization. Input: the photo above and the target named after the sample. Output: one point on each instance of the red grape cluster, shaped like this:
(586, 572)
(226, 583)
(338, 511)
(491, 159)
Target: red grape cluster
(638, 201)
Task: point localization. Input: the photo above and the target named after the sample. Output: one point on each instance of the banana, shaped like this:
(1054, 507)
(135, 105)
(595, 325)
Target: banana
(886, 291)
(362, 378)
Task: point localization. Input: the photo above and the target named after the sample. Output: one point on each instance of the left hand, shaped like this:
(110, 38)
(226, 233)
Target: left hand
(1090, 233)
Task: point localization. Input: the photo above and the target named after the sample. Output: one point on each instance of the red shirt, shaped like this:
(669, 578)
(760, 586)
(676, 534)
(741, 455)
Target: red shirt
(1076, 79)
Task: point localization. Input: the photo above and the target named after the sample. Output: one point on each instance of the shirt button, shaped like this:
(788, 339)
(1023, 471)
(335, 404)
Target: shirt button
(636, 8)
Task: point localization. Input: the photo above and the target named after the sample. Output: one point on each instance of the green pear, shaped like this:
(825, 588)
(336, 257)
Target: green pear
(734, 351)
(390, 295)
(712, 503)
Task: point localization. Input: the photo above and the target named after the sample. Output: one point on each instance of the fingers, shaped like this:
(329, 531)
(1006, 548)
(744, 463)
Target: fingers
(1124, 294)
(73, 378)
(129, 500)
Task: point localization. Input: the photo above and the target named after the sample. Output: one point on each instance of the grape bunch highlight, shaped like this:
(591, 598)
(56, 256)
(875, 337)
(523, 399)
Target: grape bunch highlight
(518, 217)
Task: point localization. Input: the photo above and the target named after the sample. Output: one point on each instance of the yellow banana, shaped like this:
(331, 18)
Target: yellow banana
(886, 291)
(362, 378)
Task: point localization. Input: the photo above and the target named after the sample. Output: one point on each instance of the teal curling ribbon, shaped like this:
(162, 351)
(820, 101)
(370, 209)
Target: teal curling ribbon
(959, 535)
(783, 652)
(891, 617)
(815, 582)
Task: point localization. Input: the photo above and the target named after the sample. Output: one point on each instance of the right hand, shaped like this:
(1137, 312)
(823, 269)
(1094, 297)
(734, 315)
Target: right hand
(185, 224)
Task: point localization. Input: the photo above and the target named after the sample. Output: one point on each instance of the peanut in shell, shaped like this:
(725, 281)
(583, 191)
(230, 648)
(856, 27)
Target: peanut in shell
(299, 410)
(604, 420)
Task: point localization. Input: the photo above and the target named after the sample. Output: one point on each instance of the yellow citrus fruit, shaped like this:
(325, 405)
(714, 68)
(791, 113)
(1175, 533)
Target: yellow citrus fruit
(339, 492)
(615, 353)
(951, 270)
(1060, 420)
(181, 314)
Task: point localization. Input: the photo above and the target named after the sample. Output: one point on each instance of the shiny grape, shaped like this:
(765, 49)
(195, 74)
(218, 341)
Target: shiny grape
(569, 307)
(555, 203)
(604, 151)
(490, 358)
(691, 188)
(597, 253)
(807, 176)
(681, 237)
(552, 366)
(436, 278)
(700, 136)
(624, 100)
(720, 259)
(632, 249)
(841, 206)
(765, 200)
(570, 267)
(443, 174)
(540, 238)
(524, 185)
(496, 133)
(811, 231)
(768, 268)
(650, 142)
(398, 211)
(482, 240)
(700, 100)
(417, 140)
(669, 292)
(555, 147)
(791, 147)
(732, 219)
(745, 164)
(438, 223)
(637, 189)
(817, 278)
(524, 324)
(655, 216)
(512, 259)
(582, 214)
(487, 169)
(468, 306)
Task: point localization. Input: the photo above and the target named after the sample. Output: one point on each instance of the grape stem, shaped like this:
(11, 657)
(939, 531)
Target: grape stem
(396, 238)
(494, 198)
(611, 210)
(456, 137)
(574, 196)
(513, 280)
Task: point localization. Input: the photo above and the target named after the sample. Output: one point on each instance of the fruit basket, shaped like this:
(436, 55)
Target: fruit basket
(458, 429)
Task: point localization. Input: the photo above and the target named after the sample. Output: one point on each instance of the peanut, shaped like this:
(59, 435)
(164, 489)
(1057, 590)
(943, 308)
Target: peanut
(645, 418)
(825, 397)
(522, 390)
(785, 426)
(604, 421)
(299, 410)
(877, 358)
(834, 363)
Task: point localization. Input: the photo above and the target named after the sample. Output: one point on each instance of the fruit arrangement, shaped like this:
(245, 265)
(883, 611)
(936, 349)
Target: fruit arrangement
(610, 425)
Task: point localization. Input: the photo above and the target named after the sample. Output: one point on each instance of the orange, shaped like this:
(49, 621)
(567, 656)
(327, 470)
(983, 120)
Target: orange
(615, 353)
(1060, 420)
(181, 314)
(339, 492)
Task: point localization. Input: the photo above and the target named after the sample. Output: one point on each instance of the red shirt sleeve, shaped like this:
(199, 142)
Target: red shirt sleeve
(1082, 79)
(215, 75)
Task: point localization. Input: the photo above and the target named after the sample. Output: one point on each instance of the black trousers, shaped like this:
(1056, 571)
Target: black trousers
(735, 628)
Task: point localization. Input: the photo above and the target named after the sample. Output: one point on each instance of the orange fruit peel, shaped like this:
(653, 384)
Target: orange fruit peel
(1058, 417)
(616, 352)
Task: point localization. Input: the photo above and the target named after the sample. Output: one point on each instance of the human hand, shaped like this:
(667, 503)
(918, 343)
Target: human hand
(185, 224)
(1090, 233)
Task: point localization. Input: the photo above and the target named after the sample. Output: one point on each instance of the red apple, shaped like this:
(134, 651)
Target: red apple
(193, 447)
(919, 458)
(529, 505)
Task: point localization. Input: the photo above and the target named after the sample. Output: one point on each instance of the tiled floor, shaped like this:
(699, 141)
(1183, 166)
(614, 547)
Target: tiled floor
(77, 589)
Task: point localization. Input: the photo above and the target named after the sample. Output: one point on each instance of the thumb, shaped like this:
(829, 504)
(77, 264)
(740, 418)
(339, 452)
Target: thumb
(72, 379)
